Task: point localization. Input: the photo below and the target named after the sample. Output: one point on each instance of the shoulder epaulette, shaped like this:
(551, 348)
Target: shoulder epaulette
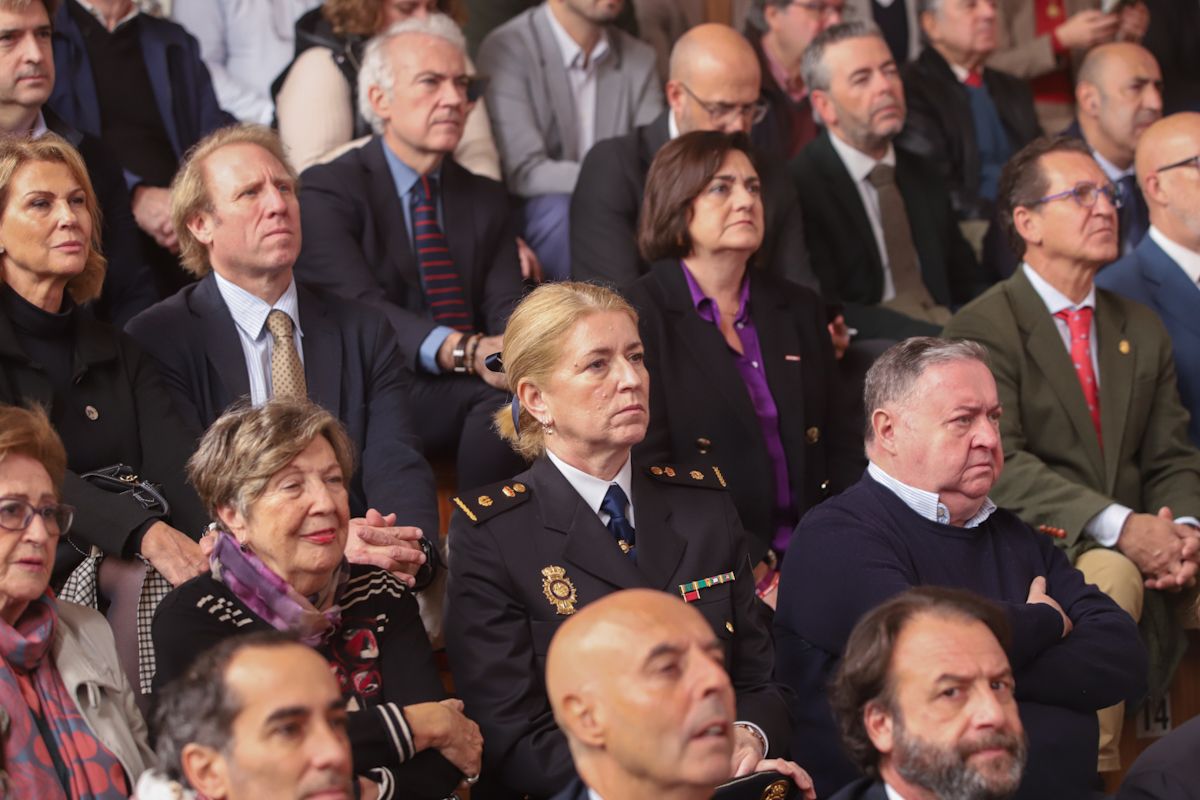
(489, 501)
(709, 477)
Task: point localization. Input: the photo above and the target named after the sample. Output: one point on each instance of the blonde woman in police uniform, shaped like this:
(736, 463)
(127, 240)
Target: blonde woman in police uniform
(527, 553)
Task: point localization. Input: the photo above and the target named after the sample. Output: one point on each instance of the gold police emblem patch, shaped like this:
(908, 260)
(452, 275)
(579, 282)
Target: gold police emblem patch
(559, 590)
(775, 791)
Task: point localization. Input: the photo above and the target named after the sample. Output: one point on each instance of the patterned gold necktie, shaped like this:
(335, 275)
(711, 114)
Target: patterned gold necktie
(287, 373)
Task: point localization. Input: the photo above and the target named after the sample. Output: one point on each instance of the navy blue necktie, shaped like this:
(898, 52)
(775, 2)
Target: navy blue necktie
(441, 282)
(614, 504)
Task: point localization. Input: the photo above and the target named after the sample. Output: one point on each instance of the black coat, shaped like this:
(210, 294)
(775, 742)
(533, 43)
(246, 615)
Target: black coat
(1174, 39)
(940, 127)
(356, 243)
(846, 258)
(1168, 769)
(607, 203)
(700, 409)
(353, 369)
(134, 423)
(499, 622)
(379, 653)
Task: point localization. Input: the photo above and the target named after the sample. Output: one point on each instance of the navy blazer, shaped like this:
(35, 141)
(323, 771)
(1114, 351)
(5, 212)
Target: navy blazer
(351, 364)
(700, 408)
(842, 248)
(356, 243)
(183, 90)
(1151, 277)
(1168, 769)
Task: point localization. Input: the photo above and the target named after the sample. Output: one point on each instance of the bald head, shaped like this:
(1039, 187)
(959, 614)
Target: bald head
(1118, 95)
(1169, 175)
(638, 684)
(719, 67)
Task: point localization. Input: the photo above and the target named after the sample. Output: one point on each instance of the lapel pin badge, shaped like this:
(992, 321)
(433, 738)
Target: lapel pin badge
(1124, 347)
(791, 357)
(559, 590)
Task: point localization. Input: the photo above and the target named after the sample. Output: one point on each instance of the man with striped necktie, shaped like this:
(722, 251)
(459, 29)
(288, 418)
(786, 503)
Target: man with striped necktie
(400, 224)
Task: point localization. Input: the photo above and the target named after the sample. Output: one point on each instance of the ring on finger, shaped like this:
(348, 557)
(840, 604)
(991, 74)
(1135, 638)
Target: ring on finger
(472, 780)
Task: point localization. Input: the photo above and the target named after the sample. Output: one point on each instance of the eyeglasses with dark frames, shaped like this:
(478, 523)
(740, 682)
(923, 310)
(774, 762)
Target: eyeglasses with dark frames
(722, 112)
(1194, 161)
(1085, 195)
(17, 515)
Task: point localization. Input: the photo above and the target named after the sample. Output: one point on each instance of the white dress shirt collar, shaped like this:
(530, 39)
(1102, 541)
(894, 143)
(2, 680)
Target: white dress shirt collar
(572, 54)
(858, 163)
(1188, 260)
(250, 312)
(925, 504)
(891, 793)
(672, 125)
(1113, 172)
(593, 489)
(1055, 300)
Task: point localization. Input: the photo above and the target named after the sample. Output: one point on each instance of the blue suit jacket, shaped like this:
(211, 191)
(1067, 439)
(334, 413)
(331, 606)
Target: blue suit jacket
(353, 369)
(1151, 277)
(183, 90)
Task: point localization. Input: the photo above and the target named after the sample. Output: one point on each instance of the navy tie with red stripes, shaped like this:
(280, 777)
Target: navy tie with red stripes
(440, 280)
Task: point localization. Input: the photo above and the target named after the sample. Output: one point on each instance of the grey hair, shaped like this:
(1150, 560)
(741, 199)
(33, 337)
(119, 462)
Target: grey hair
(376, 69)
(812, 65)
(198, 707)
(894, 374)
(928, 6)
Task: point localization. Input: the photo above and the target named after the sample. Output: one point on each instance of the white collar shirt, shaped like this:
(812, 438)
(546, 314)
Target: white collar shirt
(1187, 260)
(250, 319)
(593, 489)
(581, 70)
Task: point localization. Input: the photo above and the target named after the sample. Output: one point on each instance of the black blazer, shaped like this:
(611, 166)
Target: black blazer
(940, 127)
(356, 244)
(700, 409)
(499, 622)
(607, 203)
(351, 364)
(842, 245)
(134, 423)
(1174, 39)
(1168, 769)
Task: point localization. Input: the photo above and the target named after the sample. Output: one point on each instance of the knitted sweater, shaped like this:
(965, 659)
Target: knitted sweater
(856, 550)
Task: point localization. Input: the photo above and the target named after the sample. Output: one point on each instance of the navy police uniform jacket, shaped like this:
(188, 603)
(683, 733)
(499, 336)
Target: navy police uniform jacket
(527, 553)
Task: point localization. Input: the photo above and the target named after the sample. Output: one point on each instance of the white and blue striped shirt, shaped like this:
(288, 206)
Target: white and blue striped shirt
(927, 504)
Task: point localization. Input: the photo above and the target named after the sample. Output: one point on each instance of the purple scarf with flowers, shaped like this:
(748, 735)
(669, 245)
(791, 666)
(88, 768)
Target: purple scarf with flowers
(50, 751)
(269, 596)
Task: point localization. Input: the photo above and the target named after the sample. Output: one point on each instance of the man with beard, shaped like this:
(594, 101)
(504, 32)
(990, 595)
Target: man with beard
(921, 516)
(637, 682)
(1119, 96)
(882, 236)
(1093, 428)
(924, 698)
(562, 77)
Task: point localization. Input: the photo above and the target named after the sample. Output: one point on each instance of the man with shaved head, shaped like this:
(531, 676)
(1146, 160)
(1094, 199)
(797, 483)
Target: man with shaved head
(638, 685)
(714, 85)
(1118, 96)
(1163, 270)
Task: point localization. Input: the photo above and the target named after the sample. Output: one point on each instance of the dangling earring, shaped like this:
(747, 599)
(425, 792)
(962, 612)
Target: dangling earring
(548, 428)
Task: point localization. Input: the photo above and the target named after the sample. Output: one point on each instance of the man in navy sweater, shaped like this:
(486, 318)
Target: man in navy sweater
(921, 516)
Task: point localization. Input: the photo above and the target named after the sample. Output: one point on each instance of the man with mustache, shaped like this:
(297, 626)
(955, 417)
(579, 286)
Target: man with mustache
(1093, 429)
(882, 236)
(921, 516)
(400, 224)
(637, 682)
(258, 716)
(1118, 96)
(925, 699)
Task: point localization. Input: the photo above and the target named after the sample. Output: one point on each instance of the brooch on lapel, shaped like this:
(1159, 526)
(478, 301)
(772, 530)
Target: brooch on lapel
(559, 590)
(691, 591)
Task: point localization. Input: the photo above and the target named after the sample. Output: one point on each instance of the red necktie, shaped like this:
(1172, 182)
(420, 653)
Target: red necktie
(974, 79)
(1079, 323)
(440, 280)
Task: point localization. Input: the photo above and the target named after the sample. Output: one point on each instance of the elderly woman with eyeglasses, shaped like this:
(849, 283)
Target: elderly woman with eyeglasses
(72, 729)
(274, 479)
